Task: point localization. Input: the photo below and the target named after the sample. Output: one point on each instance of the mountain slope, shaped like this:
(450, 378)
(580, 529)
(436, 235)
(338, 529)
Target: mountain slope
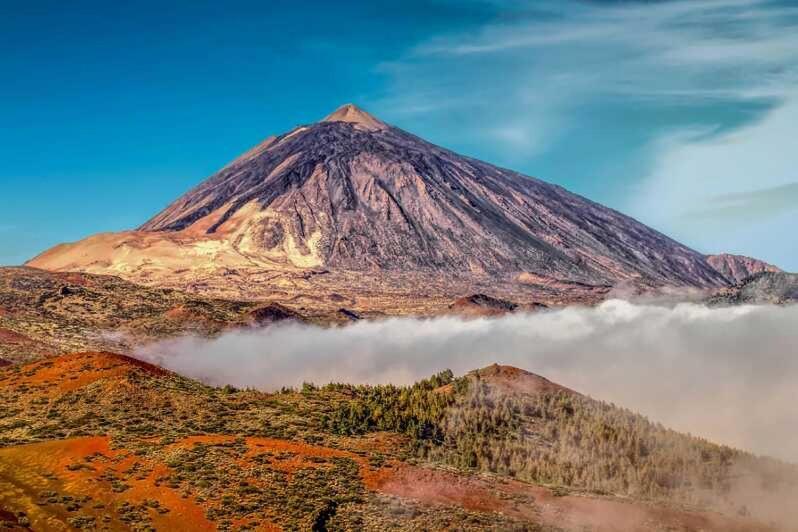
(737, 268)
(102, 440)
(351, 193)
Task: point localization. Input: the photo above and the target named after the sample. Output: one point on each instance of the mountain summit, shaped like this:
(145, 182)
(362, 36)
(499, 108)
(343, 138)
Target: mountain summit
(354, 115)
(353, 194)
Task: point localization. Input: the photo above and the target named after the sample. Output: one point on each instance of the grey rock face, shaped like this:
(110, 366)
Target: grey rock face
(779, 288)
(486, 302)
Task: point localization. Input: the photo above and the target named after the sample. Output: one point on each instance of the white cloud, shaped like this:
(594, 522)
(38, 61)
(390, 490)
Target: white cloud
(729, 192)
(519, 86)
(666, 47)
(728, 374)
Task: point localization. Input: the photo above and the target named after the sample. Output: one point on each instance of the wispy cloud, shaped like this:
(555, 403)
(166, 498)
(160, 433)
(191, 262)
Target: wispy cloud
(752, 206)
(676, 47)
(731, 191)
(546, 77)
(711, 30)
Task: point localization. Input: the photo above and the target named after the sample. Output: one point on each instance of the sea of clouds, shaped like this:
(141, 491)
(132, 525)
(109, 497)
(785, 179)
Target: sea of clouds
(728, 374)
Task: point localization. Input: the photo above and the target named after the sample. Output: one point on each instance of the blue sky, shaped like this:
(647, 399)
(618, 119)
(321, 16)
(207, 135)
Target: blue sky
(680, 113)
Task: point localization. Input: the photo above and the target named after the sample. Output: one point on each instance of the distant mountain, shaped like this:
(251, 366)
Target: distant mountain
(353, 194)
(737, 268)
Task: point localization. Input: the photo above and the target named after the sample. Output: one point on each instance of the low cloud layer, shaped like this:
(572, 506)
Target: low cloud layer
(728, 374)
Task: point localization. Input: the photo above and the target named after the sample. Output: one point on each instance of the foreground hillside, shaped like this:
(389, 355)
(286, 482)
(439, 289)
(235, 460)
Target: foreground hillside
(97, 440)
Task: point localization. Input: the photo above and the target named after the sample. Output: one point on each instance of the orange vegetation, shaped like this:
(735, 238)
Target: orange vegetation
(373, 478)
(540, 504)
(87, 467)
(70, 372)
(257, 445)
(180, 312)
(75, 468)
(28, 470)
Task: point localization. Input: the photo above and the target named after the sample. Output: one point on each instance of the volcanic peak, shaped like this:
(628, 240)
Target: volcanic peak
(354, 115)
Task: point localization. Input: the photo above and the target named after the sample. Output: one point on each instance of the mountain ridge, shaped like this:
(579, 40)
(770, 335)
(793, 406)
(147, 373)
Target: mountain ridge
(738, 268)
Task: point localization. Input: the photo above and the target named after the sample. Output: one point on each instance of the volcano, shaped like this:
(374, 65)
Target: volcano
(353, 197)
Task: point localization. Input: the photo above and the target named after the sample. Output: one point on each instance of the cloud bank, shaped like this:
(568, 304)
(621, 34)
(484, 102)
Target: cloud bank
(728, 374)
(733, 192)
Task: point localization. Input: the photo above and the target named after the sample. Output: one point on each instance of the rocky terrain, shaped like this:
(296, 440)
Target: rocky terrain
(765, 288)
(485, 305)
(351, 207)
(102, 441)
(737, 268)
(44, 314)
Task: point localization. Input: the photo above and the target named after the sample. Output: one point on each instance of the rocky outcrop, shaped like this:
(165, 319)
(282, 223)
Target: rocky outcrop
(482, 305)
(778, 288)
(737, 268)
(273, 313)
(349, 315)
